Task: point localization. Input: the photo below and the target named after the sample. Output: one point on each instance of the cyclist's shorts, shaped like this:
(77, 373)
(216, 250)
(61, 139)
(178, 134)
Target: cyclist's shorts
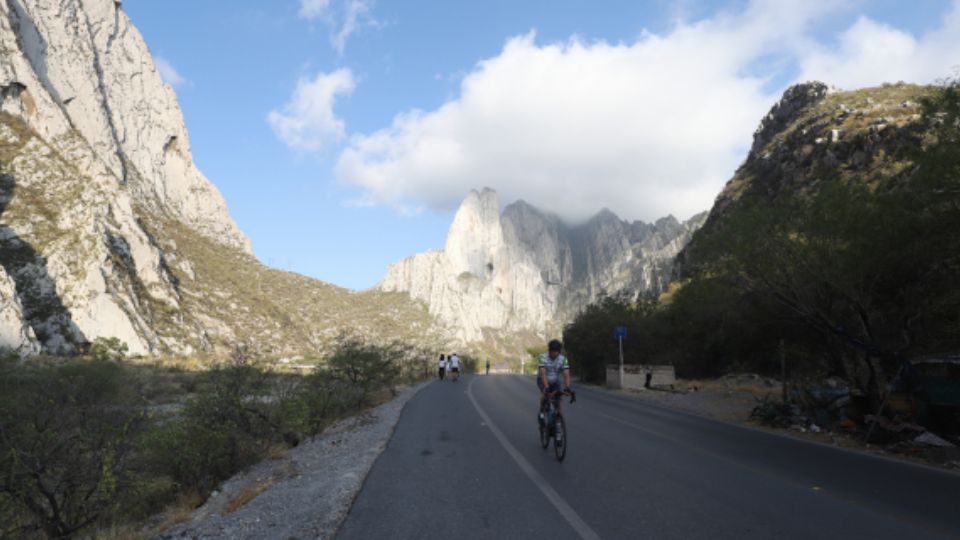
(554, 387)
(455, 370)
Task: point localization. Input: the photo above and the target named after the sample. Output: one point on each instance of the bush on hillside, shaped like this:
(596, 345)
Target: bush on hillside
(67, 434)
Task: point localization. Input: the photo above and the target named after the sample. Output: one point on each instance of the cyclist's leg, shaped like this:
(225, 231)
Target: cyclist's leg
(543, 402)
(557, 397)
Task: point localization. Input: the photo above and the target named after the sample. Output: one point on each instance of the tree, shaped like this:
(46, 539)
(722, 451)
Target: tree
(66, 437)
(869, 266)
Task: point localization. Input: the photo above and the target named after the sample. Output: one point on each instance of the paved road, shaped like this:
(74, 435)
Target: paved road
(465, 462)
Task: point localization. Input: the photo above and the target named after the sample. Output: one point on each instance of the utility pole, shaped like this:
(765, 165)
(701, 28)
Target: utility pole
(620, 332)
(783, 371)
(620, 339)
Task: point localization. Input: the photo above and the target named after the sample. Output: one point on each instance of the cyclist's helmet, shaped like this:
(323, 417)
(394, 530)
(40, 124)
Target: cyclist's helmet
(555, 345)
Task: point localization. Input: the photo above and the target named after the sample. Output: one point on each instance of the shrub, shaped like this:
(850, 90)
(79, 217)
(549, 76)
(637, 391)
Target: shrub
(66, 435)
(108, 349)
(227, 427)
(366, 367)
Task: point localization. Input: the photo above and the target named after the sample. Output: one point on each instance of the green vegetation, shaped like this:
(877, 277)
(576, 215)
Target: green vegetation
(66, 438)
(285, 314)
(108, 349)
(852, 271)
(93, 444)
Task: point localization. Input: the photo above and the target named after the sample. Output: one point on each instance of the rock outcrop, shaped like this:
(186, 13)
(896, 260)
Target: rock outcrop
(816, 134)
(107, 227)
(80, 75)
(92, 141)
(526, 269)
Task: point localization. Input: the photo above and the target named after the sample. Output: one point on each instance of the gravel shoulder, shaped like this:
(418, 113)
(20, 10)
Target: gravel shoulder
(305, 493)
(709, 399)
(733, 400)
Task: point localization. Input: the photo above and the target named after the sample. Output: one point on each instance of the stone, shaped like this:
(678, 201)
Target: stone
(929, 439)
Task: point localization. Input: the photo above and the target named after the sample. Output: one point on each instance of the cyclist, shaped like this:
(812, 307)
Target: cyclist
(454, 366)
(550, 369)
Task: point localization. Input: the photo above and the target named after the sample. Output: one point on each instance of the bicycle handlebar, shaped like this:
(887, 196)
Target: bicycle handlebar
(571, 393)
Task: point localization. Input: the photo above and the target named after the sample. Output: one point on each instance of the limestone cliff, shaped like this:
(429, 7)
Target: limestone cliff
(526, 269)
(107, 227)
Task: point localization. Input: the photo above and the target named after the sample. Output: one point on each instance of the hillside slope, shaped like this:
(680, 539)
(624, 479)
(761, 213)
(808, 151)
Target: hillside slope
(816, 134)
(107, 227)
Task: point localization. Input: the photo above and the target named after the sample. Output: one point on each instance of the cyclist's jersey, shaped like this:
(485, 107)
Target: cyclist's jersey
(455, 362)
(554, 367)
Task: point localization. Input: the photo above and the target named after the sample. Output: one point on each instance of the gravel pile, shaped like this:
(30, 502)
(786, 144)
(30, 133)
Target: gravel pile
(306, 493)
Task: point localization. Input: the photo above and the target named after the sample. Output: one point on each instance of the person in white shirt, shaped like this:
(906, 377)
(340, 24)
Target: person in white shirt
(455, 366)
(442, 367)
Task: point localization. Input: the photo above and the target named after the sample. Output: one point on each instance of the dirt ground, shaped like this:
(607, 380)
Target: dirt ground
(733, 397)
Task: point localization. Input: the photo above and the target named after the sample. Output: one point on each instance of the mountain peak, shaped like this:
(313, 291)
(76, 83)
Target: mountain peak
(526, 270)
(794, 99)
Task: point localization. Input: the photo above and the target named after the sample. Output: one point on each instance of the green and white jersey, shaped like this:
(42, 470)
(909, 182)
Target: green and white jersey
(554, 367)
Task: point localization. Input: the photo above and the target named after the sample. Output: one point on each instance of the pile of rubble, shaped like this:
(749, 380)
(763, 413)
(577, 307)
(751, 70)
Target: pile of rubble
(831, 407)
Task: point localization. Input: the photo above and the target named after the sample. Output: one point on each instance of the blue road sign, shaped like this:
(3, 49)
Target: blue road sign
(620, 332)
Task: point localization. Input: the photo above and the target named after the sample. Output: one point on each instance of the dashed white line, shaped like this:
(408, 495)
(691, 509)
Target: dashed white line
(555, 499)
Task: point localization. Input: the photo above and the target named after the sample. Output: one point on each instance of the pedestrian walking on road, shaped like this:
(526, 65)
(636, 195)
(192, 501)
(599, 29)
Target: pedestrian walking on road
(442, 367)
(454, 362)
(488, 366)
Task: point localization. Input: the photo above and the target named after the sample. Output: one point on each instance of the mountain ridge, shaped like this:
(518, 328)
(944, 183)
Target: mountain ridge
(525, 269)
(109, 230)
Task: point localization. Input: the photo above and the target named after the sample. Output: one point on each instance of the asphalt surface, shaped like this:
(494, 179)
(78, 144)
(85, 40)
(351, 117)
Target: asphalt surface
(465, 462)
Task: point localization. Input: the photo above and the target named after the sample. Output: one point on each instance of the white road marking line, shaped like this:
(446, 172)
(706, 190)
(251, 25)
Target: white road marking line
(555, 499)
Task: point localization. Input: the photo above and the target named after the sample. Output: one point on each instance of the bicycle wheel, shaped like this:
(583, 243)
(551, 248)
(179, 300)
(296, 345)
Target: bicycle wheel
(560, 437)
(544, 437)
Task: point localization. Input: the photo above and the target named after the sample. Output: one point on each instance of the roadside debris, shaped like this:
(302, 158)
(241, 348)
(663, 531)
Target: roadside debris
(918, 417)
(930, 439)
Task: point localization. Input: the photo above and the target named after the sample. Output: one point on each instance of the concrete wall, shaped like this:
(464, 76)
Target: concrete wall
(635, 375)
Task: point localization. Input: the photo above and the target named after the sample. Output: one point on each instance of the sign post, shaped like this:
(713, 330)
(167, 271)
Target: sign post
(620, 332)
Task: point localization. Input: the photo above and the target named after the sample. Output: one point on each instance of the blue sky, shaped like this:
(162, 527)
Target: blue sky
(343, 133)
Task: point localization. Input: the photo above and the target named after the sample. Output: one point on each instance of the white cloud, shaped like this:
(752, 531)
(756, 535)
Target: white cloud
(168, 73)
(307, 121)
(343, 17)
(311, 9)
(871, 53)
(647, 128)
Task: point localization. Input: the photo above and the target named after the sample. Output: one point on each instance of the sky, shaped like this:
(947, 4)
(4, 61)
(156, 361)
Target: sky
(344, 133)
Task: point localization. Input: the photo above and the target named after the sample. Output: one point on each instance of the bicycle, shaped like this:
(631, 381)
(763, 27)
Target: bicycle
(554, 425)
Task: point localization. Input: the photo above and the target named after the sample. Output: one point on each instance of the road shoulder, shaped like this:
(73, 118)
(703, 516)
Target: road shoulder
(305, 493)
(733, 403)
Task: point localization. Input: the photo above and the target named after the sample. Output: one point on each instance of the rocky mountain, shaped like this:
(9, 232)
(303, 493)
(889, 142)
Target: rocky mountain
(525, 269)
(818, 134)
(107, 227)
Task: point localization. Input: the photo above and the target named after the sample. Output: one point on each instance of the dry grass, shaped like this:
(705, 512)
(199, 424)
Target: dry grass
(279, 313)
(757, 389)
(173, 515)
(248, 494)
(120, 532)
